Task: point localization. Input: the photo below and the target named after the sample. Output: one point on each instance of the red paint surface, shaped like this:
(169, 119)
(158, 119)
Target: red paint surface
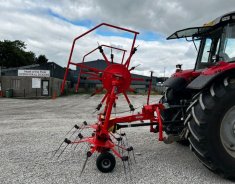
(187, 74)
(219, 67)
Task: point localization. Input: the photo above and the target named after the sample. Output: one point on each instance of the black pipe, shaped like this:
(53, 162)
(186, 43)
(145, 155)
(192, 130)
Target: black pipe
(119, 126)
(129, 125)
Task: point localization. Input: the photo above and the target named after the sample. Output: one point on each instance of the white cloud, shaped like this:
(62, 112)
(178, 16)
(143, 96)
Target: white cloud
(44, 34)
(155, 15)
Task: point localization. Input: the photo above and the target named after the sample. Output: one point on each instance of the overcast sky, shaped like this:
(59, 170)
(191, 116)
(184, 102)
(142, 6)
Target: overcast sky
(48, 27)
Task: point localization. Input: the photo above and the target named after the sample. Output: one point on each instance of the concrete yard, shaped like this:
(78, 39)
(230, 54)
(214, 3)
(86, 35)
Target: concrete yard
(31, 129)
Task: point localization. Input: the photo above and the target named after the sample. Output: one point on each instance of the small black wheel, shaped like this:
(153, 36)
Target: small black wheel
(105, 162)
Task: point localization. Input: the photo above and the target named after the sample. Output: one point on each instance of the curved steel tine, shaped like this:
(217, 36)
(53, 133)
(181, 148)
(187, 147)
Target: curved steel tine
(118, 146)
(88, 154)
(62, 151)
(79, 132)
(57, 149)
(124, 167)
(133, 153)
(129, 160)
(75, 126)
(129, 167)
(69, 131)
(73, 133)
(83, 167)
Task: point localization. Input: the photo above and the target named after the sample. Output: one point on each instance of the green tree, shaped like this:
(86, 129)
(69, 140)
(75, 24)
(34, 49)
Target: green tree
(41, 59)
(13, 54)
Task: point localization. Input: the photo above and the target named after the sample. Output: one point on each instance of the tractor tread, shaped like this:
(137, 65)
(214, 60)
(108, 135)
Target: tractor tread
(194, 133)
(212, 90)
(203, 116)
(196, 147)
(201, 102)
(187, 119)
(194, 116)
(205, 162)
(226, 83)
(191, 105)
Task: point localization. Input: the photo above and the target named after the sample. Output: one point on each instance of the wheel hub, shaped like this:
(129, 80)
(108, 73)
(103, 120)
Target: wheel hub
(113, 72)
(227, 132)
(106, 163)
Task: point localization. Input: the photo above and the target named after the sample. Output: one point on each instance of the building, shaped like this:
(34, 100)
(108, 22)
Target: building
(45, 80)
(42, 80)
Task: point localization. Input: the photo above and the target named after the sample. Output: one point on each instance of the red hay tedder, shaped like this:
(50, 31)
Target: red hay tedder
(197, 109)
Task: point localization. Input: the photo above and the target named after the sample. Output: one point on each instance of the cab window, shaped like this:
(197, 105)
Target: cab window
(229, 49)
(206, 51)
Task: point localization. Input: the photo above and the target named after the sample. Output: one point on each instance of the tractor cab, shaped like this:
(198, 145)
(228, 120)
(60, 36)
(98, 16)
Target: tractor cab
(217, 40)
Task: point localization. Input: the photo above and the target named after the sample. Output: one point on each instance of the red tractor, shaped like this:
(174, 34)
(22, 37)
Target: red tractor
(202, 101)
(197, 109)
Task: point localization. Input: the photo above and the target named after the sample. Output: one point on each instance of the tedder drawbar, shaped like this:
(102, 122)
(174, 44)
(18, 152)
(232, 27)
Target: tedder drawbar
(197, 108)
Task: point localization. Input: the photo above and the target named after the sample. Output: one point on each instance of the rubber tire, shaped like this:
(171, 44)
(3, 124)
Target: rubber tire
(101, 158)
(171, 96)
(184, 142)
(204, 127)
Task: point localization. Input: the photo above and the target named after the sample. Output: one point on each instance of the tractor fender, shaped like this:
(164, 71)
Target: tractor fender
(176, 83)
(211, 74)
(180, 79)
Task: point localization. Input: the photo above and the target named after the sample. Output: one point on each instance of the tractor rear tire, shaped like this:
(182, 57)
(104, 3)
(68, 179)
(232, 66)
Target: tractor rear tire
(211, 126)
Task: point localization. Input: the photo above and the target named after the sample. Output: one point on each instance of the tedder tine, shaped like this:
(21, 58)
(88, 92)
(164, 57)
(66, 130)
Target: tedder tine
(132, 150)
(74, 133)
(78, 136)
(75, 147)
(129, 148)
(62, 151)
(129, 160)
(57, 149)
(129, 168)
(66, 141)
(124, 159)
(124, 168)
(133, 153)
(75, 126)
(69, 131)
(123, 145)
(84, 165)
(118, 146)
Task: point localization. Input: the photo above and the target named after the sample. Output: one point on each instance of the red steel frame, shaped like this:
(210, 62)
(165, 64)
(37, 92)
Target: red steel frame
(116, 79)
(83, 60)
(82, 35)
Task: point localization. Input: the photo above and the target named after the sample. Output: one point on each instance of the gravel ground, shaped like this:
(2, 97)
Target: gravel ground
(31, 129)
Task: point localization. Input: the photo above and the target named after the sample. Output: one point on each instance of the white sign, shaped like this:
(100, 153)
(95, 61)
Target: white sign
(34, 73)
(36, 83)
